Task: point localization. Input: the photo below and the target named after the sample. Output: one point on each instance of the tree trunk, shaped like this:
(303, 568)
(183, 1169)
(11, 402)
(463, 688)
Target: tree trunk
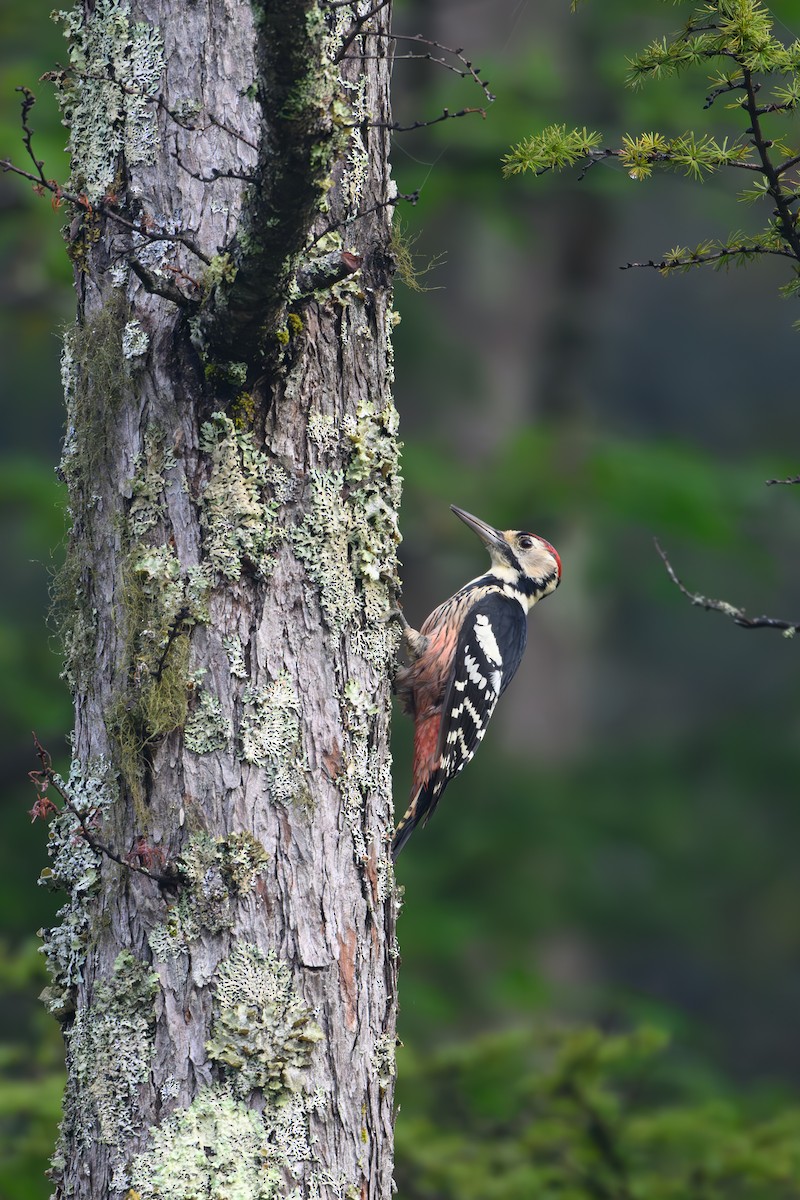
(228, 992)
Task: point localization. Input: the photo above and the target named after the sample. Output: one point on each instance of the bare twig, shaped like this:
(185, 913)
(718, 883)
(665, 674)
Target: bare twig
(791, 479)
(445, 115)
(212, 120)
(358, 27)
(46, 778)
(409, 197)
(105, 210)
(214, 174)
(469, 68)
(28, 101)
(737, 615)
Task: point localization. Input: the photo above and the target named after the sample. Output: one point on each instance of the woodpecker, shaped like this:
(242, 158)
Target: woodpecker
(464, 657)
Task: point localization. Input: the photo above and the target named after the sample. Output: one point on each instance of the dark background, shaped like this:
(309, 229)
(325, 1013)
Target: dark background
(624, 847)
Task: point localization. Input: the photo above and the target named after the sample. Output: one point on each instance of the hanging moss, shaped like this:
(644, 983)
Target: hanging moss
(153, 700)
(94, 377)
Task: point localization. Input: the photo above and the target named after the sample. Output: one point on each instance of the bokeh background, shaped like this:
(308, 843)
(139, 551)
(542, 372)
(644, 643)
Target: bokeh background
(624, 849)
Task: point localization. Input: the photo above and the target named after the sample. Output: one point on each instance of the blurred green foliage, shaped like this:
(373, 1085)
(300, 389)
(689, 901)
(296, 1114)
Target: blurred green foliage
(32, 1065)
(581, 1115)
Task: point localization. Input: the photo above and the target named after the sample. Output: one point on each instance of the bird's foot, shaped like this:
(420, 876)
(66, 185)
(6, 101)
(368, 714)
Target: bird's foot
(395, 613)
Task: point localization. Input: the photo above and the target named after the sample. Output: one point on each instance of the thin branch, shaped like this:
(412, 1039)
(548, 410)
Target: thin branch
(410, 197)
(592, 159)
(791, 479)
(324, 272)
(715, 93)
(697, 260)
(45, 778)
(232, 132)
(215, 173)
(358, 27)
(469, 69)
(787, 166)
(771, 174)
(786, 106)
(737, 615)
(28, 101)
(446, 115)
(80, 202)
(431, 58)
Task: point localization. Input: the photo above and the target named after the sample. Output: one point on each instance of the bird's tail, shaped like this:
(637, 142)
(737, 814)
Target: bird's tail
(405, 828)
(423, 802)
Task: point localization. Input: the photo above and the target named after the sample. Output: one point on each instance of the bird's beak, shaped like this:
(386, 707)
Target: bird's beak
(490, 537)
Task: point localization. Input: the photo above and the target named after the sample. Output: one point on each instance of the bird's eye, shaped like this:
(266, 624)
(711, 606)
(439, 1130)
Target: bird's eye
(525, 542)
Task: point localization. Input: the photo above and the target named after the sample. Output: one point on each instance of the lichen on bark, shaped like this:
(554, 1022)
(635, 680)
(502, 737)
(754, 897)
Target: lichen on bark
(262, 1032)
(107, 93)
(235, 535)
(110, 1046)
(215, 873)
(239, 516)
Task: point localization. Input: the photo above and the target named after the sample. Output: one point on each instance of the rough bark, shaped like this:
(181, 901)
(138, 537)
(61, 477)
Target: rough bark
(233, 483)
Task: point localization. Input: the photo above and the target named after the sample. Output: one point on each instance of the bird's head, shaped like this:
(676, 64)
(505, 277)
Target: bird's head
(522, 559)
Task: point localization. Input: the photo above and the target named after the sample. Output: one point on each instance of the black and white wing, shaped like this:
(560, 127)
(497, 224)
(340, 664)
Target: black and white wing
(489, 650)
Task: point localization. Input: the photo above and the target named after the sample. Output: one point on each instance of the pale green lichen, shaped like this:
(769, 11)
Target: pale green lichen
(270, 737)
(219, 1149)
(135, 341)
(109, 1051)
(366, 771)
(216, 1149)
(322, 431)
(207, 729)
(322, 542)
(75, 869)
(215, 873)
(383, 1060)
(357, 168)
(374, 470)
(238, 518)
(384, 874)
(107, 95)
(232, 645)
(147, 486)
(263, 1033)
(348, 541)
